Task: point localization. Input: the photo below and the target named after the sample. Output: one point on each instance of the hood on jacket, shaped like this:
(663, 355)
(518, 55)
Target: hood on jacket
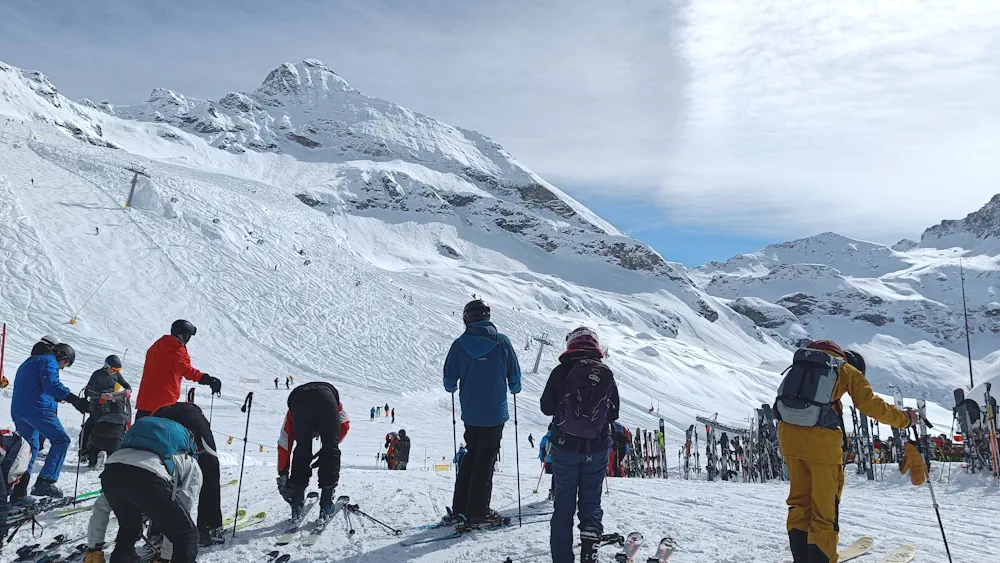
(41, 349)
(583, 350)
(479, 339)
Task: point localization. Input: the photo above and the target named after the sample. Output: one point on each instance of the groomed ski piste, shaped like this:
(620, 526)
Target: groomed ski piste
(215, 237)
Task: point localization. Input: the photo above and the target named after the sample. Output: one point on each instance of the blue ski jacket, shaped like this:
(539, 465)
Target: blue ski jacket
(482, 366)
(37, 388)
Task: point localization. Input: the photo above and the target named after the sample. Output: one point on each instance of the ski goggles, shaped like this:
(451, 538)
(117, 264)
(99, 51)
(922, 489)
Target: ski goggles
(113, 370)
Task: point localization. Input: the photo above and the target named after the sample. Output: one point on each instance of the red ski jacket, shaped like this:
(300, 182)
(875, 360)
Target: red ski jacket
(286, 440)
(167, 361)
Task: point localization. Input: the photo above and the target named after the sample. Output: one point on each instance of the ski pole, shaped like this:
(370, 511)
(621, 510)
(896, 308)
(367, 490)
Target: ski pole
(539, 484)
(922, 421)
(454, 428)
(357, 510)
(211, 407)
(247, 405)
(517, 462)
(76, 485)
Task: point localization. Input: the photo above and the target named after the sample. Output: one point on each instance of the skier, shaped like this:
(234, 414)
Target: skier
(582, 398)
(275, 383)
(104, 381)
(378, 411)
(393, 421)
(167, 361)
(483, 363)
(314, 409)
(386, 411)
(545, 456)
(33, 407)
(390, 457)
(373, 413)
(458, 456)
(15, 454)
(812, 438)
(531, 440)
(287, 380)
(111, 413)
(402, 450)
(155, 475)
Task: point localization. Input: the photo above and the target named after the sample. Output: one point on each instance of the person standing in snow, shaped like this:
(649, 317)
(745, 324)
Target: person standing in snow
(373, 413)
(154, 474)
(167, 362)
(33, 406)
(275, 383)
(15, 454)
(482, 366)
(581, 396)
(812, 438)
(386, 411)
(402, 450)
(101, 382)
(287, 384)
(545, 456)
(378, 411)
(314, 409)
(531, 440)
(391, 441)
(393, 421)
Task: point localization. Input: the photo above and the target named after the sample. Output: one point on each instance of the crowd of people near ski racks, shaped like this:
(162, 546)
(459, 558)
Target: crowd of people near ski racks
(164, 464)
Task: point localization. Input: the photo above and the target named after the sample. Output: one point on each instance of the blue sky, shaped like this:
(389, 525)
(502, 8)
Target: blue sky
(705, 127)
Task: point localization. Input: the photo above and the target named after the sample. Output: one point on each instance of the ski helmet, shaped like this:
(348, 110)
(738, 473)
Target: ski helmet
(402, 433)
(581, 333)
(856, 360)
(183, 329)
(64, 353)
(113, 362)
(475, 311)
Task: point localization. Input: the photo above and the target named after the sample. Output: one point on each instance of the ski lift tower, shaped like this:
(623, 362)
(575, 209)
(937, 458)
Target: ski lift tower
(542, 341)
(136, 172)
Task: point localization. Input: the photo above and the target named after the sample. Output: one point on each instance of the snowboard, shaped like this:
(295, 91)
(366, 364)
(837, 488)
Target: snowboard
(663, 551)
(860, 547)
(632, 544)
(903, 554)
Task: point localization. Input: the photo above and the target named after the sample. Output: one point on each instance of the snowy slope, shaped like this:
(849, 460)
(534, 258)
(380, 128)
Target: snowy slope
(354, 270)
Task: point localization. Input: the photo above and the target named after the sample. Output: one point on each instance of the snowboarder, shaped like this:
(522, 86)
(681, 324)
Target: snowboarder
(314, 409)
(15, 454)
(33, 407)
(582, 398)
(402, 450)
(393, 421)
(276, 383)
(167, 361)
(483, 364)
(531, 440)
(373, 413)
(812, 438)
(101, 382)
(154, 474)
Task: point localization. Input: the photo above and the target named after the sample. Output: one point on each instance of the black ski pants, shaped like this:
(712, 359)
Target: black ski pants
(104, 437)
(133, 492)
(315, 412)
(474, 485)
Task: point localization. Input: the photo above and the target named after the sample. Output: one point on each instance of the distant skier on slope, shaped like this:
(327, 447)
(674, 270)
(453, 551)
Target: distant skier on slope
(582, 398)
(545, 456)
(482, 366)
(373, 413)
(154, 474)
(531, 440)
(314, 409)
(167, 361)
(812, 438)
(33, 406)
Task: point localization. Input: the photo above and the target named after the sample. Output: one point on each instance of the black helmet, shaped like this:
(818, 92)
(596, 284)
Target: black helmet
(184, 329)
(856, 360)
(402, 433)
(64, 353)
(113, 362)
(475, 311)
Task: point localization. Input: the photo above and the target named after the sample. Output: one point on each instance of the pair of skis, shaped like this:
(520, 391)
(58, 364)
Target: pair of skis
(633, 542)
(864, 544)
(317, 530)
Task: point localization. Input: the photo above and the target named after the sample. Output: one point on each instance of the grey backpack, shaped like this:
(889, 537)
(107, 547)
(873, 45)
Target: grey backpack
(805, 396)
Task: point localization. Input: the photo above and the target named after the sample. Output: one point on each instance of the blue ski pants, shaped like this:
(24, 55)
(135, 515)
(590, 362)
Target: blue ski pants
(579, 481)
(48, 425)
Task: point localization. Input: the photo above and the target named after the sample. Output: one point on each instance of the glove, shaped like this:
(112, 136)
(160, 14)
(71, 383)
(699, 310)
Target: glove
(212, 382)
(282, 483)
(79, 403)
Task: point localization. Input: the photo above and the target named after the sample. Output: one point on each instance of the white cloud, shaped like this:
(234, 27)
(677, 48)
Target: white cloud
(870, 118)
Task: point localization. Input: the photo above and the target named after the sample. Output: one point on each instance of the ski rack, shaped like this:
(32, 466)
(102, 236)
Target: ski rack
(723, 427)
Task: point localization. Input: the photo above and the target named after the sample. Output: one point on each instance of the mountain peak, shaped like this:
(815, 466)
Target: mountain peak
(981, 224)
(293, 80)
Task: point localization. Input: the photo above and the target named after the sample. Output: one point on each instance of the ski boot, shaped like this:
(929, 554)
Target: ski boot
(46, 488)
(450, 518)
(210, 537)
(491, 519)
(95, 555)
(326, 503)
(589, 542)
